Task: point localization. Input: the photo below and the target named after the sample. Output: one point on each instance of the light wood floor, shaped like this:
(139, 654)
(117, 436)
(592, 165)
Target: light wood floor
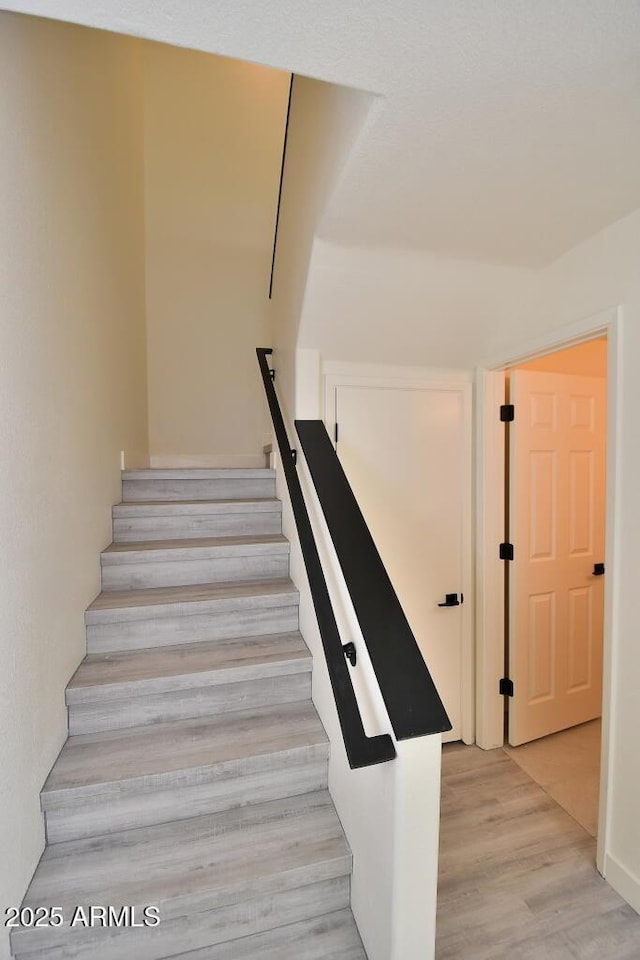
(567, 767)
(517, 873)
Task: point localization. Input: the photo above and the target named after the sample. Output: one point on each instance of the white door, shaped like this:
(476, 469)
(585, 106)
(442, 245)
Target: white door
(406, 453)
(557, 515)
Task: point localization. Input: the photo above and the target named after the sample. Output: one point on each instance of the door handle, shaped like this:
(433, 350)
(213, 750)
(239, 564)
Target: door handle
(598, 570)
(451, 600)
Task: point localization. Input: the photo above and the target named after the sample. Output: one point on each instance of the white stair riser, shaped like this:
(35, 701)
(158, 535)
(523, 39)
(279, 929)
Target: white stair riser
(134, 491)
(303, 900)
(191, 526)
(255, 780)
(211, 700)
(175, 573)
(167, 631)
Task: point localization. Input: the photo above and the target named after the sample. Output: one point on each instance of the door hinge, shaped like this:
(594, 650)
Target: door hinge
(335, 432)
(506, 687)
(506, 551)
(507, 413)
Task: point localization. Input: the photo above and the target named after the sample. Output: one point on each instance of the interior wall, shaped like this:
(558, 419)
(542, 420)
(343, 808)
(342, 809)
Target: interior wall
(460, 315)
(72, 378)
(599, 274)
(324, 122)
(213, 133)
(437, 312)
(410, 307)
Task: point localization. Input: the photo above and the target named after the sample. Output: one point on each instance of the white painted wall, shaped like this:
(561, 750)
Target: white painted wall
(455, 323)
(324, 123)
(213, 132)
(72, 379)
(380, 305)
(598, 274)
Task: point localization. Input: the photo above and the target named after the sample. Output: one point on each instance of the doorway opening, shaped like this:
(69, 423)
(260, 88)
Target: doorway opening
(555, 481)
(556, 643)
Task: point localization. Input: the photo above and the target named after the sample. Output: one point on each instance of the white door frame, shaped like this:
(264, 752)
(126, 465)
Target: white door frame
(490, 529)
(337, 374)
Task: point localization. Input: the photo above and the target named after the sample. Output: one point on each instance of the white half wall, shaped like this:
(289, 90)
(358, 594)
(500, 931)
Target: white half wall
(72, 379)
(390, 811)
(213, 133)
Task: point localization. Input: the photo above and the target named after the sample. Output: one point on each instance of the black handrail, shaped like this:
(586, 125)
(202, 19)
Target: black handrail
(412, 701)
(362, 751)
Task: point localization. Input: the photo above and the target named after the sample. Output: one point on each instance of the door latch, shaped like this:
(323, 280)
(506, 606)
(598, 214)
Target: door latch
(451, 600)
(598, 570)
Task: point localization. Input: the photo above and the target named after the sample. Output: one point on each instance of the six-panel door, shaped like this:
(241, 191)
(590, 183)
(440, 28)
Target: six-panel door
(557, 511)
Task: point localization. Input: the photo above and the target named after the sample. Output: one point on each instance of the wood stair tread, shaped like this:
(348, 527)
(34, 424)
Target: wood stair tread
(200, 473)
(195, 779)
(161, 753)
(124, 673)
(158, 508)
(157, 550)
(169, 601)
(333, 936)
(189, 866)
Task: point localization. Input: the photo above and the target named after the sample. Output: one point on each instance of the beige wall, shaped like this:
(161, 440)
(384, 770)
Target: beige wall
(213, 146)
(324, 123)
(72, 379)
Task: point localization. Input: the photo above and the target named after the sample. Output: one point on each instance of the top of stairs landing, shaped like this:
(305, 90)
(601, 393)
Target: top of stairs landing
(197, 473)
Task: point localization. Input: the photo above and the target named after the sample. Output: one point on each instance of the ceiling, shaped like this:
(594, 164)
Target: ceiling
(505, 131)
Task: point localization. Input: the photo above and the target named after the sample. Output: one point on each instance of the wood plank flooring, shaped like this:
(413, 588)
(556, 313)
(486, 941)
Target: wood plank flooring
(517, 873)
(567, 767)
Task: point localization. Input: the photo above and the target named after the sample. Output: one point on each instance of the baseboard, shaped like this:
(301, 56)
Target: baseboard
(623, 881)
(204, 460)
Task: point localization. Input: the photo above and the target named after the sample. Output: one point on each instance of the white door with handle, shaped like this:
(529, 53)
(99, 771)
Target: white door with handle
(406, 451)
(557, 528)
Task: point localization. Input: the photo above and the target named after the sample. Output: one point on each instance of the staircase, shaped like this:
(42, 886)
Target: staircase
(194, 779)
